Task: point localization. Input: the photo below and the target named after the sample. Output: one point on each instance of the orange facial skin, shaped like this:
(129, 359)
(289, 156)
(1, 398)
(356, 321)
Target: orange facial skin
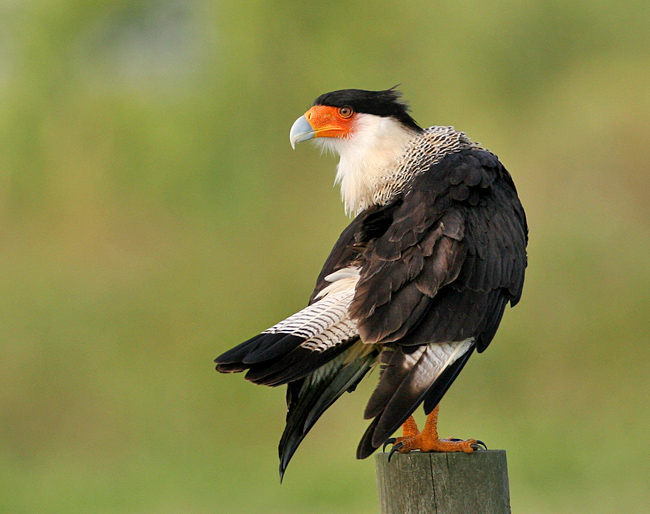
(330, 121)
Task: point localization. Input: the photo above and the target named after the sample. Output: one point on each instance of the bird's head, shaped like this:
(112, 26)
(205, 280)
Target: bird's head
(347, 114)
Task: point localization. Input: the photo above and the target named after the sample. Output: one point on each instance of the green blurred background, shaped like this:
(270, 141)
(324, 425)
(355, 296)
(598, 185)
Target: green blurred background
(153, 214)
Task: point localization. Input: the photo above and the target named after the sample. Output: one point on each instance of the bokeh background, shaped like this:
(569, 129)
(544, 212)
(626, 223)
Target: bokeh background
(153, 214)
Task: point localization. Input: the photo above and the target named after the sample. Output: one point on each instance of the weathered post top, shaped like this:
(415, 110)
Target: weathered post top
(443, 483)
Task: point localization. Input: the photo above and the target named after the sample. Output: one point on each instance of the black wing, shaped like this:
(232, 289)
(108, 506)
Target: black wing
(351, 244)
(443, 271)
(316, 352)
(437, 265)
(309, 397)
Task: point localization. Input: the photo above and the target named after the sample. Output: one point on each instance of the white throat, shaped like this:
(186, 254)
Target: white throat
(368, 157)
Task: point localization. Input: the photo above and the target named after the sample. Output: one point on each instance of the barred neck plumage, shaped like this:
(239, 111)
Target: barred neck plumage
(382, 156)
(430, 147)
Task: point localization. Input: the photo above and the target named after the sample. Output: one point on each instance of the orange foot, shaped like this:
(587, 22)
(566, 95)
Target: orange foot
(428, 440)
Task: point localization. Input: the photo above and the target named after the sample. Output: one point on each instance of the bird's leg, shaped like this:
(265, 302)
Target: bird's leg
(409, 428)
(428, 440)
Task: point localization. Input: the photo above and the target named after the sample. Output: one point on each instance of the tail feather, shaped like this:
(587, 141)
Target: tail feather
(444, 381)
(396, 366)
(294, 365)
(403, 386)
(309, 397)
(296, 346)
(242, 352)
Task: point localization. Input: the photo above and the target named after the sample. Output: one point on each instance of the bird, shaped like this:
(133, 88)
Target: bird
(415, 285)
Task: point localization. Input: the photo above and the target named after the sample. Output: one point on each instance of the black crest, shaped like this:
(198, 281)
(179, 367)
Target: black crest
(380, 103)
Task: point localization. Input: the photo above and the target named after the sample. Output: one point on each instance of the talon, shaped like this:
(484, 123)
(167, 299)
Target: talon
(394, 449)
(388, 441)
(428, 440)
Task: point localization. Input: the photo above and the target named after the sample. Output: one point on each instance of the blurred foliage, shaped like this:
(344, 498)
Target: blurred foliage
(153, 214)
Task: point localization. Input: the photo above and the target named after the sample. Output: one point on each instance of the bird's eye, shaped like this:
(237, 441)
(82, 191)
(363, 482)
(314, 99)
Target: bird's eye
(346, 112)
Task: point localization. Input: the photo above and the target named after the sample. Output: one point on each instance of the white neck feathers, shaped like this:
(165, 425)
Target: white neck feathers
(368, 156)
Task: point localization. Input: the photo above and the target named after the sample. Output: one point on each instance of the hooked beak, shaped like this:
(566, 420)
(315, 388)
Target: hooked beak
(301, 131)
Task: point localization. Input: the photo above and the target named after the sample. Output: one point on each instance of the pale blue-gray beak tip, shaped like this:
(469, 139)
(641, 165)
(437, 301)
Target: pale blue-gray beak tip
(300, 131)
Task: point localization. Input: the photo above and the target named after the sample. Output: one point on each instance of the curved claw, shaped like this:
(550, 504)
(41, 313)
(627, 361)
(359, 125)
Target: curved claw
(478, 445)
(394, 449)
(388, 441)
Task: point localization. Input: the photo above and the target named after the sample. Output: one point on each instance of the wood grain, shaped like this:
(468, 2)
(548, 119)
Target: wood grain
(443, 483)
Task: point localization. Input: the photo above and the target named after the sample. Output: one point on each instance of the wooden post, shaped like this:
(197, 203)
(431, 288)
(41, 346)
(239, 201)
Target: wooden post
(443, 483)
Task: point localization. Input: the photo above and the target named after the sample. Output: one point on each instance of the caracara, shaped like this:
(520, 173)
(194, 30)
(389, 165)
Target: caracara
(416, 283)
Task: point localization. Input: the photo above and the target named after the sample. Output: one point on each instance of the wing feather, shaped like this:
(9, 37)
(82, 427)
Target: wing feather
(433, 272)
(442, 273)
